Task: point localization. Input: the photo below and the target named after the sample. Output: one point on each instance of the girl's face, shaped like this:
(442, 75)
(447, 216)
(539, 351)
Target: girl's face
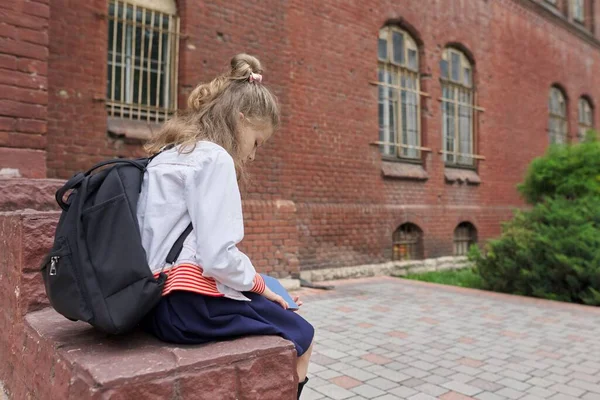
(252, 136)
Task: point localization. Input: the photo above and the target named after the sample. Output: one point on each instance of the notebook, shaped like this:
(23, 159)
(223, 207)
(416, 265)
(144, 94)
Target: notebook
(278, 288)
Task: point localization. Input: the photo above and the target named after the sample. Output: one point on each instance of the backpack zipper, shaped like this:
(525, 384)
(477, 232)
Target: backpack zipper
(53, 262)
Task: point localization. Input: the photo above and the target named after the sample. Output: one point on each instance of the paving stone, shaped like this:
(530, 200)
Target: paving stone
(463, 388)
(334, 392)
(430, 389)
(421, 396)
(403, 391)
(485, 385)
(368, 391)
(510, 393)
(489, 396)
(382, 383)
(479, 347)
(514, 384)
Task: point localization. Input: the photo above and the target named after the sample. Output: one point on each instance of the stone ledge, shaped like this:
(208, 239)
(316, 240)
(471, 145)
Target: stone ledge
(392, 268)
(132, 129)
(400, 170)
(36, 194)
(467, 176)
(70, 360)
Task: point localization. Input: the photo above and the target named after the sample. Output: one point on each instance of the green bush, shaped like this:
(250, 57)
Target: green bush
(552, 250)
(565, 171)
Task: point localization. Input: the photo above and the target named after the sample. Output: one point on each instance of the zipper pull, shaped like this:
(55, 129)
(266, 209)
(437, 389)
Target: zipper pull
(53, 262)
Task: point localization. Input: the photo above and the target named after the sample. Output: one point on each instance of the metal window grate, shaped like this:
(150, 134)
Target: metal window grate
(143, 47)
(408, 243)
(399, 94)
(465, 235)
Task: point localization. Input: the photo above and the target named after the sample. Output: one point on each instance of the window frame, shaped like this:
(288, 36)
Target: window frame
(400, 149)
(127, 62)
(458, 241)
(583, 124)
(562, 119)
(415, 244)
(578, 5)
(458, 86)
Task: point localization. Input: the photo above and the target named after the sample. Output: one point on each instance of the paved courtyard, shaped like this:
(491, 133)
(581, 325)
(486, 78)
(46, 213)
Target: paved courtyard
(387, 338)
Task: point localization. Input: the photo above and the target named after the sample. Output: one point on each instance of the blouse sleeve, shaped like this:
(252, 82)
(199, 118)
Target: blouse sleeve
(215, 207)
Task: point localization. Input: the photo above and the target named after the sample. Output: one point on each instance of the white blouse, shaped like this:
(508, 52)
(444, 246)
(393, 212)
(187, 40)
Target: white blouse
(199, 187)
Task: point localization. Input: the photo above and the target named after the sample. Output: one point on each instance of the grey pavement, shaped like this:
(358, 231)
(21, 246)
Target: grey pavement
(387, 338)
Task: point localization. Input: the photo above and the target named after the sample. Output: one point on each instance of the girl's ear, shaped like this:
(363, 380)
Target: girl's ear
(242, 116)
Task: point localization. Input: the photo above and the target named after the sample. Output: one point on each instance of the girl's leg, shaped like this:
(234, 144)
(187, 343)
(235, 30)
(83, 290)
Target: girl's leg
(302, 365)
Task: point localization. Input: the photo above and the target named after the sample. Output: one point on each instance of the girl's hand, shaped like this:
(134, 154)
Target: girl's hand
(298, 301)
(269, 294)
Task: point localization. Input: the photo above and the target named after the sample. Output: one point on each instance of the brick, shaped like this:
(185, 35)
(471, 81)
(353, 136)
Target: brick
(31, 126)
(23, 49)
(29, 96)
(33, 36)
(30, 163)
(21, 79)
(8, 124)
(37, 9)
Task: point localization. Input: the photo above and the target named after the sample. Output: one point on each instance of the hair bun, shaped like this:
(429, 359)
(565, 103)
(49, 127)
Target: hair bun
(242, 65)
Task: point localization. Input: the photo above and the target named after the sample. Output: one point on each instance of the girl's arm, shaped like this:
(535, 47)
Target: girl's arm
(215, 207)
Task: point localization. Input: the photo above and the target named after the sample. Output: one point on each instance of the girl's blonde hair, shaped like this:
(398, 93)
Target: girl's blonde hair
(214, 108)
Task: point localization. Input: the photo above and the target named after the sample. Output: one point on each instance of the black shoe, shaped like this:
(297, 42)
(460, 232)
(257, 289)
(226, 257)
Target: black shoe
(301, 386)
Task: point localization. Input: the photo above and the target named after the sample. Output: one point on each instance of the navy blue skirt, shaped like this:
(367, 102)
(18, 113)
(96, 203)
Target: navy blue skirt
(191, 318)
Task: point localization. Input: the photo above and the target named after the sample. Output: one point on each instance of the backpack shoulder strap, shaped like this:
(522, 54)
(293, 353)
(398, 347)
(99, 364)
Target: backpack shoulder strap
(178, 246)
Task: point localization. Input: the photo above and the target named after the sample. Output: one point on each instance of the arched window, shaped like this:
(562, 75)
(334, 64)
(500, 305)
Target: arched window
(457, 108)
(465, 235)
(408, 242)
(143, 37)
(578, 10)
(586, 119)
(399, 94)
(557, 123)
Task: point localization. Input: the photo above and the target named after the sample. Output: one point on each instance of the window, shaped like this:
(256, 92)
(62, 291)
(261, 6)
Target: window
(586, 121)
(457, 108)
(143, 48)
(557, 124)
(578, 10)
(465, 235)
(408, 243)
(399, 95)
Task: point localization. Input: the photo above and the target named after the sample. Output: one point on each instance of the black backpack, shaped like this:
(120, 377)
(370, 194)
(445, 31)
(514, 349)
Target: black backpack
(97, 270)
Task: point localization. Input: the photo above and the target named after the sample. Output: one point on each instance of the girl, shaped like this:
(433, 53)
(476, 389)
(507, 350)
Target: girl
(213, 291)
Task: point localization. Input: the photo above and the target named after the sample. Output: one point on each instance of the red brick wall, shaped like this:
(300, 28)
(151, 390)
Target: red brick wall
(23, 86)
(320, 59)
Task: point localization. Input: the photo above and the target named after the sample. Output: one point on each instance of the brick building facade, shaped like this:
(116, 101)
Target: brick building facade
(325, 194)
